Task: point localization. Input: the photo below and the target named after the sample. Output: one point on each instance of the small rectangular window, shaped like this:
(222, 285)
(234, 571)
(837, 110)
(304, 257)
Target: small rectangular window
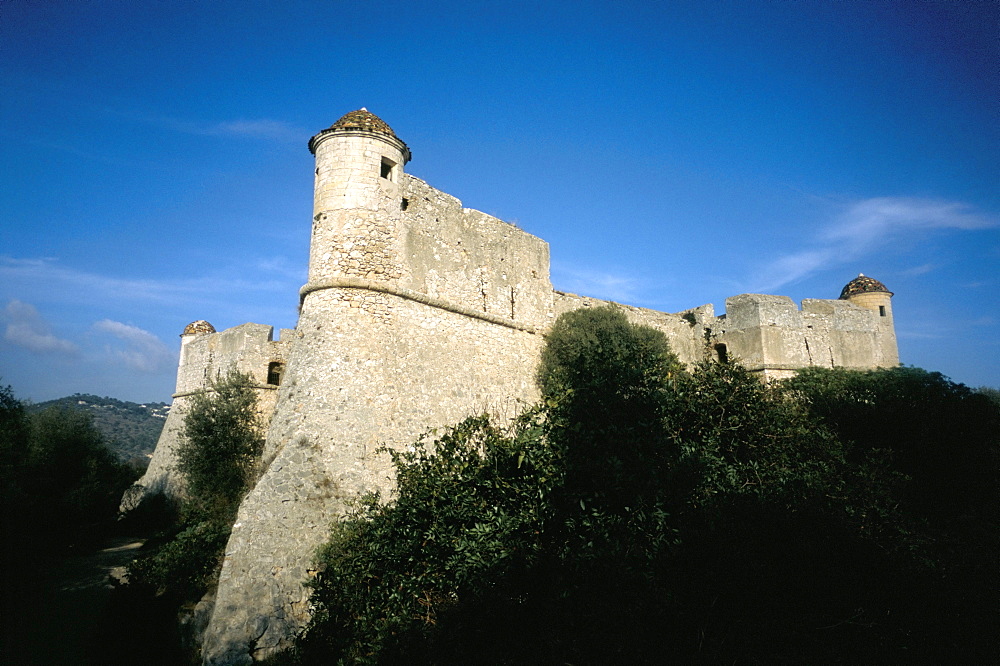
(881, 311)
(274, 372)
(387, 167)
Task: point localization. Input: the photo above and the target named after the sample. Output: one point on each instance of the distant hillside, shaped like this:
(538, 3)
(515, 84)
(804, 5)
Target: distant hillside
(131, 429)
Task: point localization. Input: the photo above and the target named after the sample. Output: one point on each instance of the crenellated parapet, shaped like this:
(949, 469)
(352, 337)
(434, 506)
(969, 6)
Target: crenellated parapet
(416, 313)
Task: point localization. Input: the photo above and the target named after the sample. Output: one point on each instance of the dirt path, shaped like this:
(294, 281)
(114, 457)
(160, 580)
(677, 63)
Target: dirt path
(59, 625)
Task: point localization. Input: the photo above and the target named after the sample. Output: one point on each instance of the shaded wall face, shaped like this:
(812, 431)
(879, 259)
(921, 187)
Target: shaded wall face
(370, 370)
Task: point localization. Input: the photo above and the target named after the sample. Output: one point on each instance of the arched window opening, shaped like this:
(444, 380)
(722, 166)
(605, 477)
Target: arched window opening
(274, 372)
(721, 353)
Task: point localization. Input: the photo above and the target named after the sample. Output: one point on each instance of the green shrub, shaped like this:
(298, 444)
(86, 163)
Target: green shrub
(643, 512)
(184, 566)
(221, 445)
(218, 457)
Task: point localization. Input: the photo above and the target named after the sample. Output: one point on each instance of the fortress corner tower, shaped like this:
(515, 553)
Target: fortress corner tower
(869, 293)
(417, 313)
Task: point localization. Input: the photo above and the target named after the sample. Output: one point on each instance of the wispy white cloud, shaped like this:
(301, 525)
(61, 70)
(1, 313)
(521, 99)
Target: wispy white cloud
(143, 351)
(920, 270)
(27, 328)
(596, 284)
(50, 276)
(253, 128)
(868, 225)
(260, 128)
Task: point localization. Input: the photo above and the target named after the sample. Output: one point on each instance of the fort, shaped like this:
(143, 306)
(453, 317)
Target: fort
(418, 312)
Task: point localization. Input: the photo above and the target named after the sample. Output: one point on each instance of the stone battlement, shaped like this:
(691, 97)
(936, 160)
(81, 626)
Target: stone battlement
(418, 312)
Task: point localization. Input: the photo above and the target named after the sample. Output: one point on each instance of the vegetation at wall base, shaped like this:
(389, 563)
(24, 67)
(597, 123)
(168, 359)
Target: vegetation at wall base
(59, 490)
(642, 512)
(219, 459)
(59, 481)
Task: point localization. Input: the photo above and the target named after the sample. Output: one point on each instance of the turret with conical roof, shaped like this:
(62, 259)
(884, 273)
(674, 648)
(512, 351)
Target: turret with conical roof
(359, 164)
(869, 293)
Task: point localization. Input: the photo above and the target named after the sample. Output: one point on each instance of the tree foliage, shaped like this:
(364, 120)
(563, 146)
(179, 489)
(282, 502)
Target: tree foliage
(130, 430)
(219, 459)
(58, 479)
(220, 450)
(59, 490)
(643, 512)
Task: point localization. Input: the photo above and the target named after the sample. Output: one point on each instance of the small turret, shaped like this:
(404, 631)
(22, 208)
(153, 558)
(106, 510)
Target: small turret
(197, 328)
(359, 165)
(869, 293)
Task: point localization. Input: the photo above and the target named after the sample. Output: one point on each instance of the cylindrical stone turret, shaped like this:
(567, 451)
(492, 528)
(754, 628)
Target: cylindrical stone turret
(359, 163)
(869, 293)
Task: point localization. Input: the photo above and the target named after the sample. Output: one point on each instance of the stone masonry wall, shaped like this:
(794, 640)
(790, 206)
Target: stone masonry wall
(249, 348)
(369, 370)
(770, 335)
(417, 313)
(379, 358)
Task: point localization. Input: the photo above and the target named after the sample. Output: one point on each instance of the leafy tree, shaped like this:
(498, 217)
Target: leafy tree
(605, 383)
(944, 435)
(59, 487)
(640, 511)
(219, 459)
(58, 479)
(220, 451)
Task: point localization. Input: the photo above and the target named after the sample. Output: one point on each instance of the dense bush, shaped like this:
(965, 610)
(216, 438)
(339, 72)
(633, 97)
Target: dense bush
(218, 457)
(58, 479)
(643, 512)
(945, 435)
(59, 491)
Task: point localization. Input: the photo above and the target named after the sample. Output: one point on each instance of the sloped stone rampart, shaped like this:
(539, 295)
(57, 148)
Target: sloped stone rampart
(374, 370)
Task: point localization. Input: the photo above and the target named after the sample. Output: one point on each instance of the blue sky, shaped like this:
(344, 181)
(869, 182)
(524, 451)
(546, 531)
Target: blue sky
(155, 171)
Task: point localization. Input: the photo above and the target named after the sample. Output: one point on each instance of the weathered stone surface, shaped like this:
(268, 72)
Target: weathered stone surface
(205, 356)
(417, 313)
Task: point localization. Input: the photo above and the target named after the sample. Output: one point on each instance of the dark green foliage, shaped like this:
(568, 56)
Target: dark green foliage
(604, 382)
(642, 513)
(59, 492)
(943, 434)
(57, 478)
(467, 521)
(221, 447)
(129, 429)
(184, 565)
(218, 457)
(946, 439)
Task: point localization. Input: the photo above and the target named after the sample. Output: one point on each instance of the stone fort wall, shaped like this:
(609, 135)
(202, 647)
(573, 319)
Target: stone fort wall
(417, 313)
(206, 356)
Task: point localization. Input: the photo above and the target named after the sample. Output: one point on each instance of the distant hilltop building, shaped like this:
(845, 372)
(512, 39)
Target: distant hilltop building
(416, 313)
